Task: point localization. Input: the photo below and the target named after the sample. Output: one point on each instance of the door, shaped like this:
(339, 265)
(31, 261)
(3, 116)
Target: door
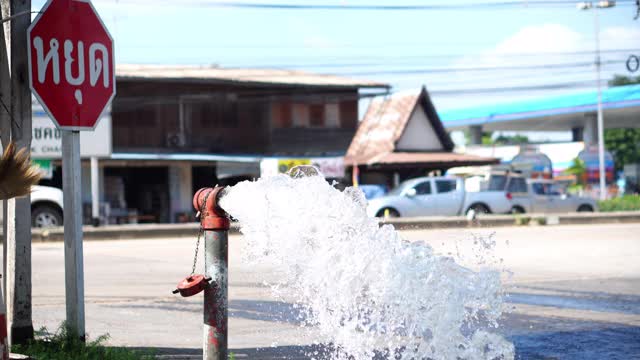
(520, 196)
(448, 197)
(544, 200)
(420, 200)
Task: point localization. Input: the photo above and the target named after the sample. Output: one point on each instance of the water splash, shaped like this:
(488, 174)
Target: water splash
(361, 286)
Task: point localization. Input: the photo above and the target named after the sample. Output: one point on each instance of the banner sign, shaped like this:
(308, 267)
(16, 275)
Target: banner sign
(330, 167)
(46, 141)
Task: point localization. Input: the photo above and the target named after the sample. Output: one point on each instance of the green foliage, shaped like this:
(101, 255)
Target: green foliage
(522, 220)
(486, 138)
(621, 80)
(541, 220)
(511, 140)
(624, 145)
(65, 345)
(624, 203)
(578, 168)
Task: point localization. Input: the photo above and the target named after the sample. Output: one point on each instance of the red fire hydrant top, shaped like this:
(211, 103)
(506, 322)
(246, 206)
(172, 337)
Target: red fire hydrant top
(212, 217)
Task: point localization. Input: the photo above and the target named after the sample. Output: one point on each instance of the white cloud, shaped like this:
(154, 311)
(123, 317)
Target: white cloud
(540, 38)
(619, 37)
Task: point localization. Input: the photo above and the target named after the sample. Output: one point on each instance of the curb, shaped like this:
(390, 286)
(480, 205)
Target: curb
(154, 231)
(619, 217)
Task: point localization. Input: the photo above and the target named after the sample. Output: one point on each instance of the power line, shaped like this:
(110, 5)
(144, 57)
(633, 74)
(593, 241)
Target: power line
(388, 63)
(478, 69)
(493, 90)
(441, 6)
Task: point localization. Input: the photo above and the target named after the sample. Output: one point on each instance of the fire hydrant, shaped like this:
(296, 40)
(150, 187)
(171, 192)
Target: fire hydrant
(215, 226)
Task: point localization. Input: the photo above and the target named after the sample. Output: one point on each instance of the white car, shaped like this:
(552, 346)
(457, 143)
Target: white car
(46, 207)
(438, 196)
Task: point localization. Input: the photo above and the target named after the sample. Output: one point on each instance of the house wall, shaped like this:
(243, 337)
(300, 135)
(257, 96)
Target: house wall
(194, 118)
(224, 119)
(419, 135)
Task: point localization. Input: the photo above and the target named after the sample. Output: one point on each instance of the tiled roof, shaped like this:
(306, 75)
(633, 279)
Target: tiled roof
(434, 158)
(239, 75)
(381, 127)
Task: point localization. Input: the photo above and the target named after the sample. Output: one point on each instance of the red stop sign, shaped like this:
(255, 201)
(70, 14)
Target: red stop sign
(71, 63)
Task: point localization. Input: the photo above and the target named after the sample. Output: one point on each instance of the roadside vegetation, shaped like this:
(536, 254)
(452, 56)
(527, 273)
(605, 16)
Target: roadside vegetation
(624, 203)
(64, 345)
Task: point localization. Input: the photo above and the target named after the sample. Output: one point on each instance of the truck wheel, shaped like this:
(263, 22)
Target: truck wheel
(585, 208)
(478, 209)
(393, 213)
(43, 216)
(517, 210)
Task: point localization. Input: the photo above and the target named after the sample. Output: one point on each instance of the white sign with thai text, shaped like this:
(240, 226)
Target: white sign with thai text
(46, 141)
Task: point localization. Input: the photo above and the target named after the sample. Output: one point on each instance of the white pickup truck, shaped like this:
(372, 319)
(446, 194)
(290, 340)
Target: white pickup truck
(545, 196)
(438, 196)
(46, 207)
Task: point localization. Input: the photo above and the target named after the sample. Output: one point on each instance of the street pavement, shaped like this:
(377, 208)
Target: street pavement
(573, 292)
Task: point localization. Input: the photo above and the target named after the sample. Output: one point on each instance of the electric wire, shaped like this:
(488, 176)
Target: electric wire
(386, 7)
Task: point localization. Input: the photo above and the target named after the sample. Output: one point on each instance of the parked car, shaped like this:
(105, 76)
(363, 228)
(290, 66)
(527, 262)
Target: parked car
(373, 191)
(46, 207)
(545, 196)
(443, 196)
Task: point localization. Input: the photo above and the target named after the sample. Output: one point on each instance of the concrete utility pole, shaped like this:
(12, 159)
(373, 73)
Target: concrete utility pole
(5, 118)
(600, 117)
(17, 217)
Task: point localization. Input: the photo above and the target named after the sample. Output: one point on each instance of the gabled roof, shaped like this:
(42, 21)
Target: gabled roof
(385, 122)
(214, 74)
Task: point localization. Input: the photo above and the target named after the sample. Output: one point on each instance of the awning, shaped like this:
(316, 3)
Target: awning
(423, 159)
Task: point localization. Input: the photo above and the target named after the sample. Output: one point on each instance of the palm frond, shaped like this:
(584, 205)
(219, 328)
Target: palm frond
(17, 176)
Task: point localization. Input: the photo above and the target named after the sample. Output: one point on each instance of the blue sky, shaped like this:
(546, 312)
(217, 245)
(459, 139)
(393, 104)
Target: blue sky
(371, 44)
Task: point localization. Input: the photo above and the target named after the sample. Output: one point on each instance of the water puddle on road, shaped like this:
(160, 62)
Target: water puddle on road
(365, 290)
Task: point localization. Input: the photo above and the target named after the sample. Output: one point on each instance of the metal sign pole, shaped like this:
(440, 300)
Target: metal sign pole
(73, 256)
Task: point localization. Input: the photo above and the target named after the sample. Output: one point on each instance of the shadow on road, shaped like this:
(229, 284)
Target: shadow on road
(605, 343)
(267, 311)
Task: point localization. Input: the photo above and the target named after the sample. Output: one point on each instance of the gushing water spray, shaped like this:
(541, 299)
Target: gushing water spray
(360, 285)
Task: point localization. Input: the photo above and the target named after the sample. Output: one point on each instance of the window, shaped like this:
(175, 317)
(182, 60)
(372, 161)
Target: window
(316, 115)
(332, 115)
(281, 115)
(497, 182)
(349, 114)
(423, 188)
(445, 186)
(300, 115)
(517, 185)
(540, 189)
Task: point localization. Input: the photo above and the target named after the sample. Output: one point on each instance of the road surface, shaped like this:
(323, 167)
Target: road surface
(573, 292)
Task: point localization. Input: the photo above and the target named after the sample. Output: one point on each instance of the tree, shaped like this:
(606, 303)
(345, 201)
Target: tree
(578, 168)
(511, 140)
(621, 80)
(624, 144)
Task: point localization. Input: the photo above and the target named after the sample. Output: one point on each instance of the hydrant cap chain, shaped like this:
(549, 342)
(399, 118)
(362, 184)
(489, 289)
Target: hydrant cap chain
(212, 216)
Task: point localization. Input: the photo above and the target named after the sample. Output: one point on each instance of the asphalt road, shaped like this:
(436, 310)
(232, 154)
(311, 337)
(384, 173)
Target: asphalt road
(573, 292)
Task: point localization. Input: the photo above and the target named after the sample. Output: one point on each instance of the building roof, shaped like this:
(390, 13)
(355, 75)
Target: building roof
(385, 122)
(240, 76)
(622, 103)
(434, 159)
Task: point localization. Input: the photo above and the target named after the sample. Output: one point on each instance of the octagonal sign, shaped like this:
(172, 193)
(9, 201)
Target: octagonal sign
(71, 63)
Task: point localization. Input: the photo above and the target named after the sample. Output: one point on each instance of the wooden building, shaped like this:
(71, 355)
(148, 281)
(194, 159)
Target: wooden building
(402, 137)
(177, 128)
